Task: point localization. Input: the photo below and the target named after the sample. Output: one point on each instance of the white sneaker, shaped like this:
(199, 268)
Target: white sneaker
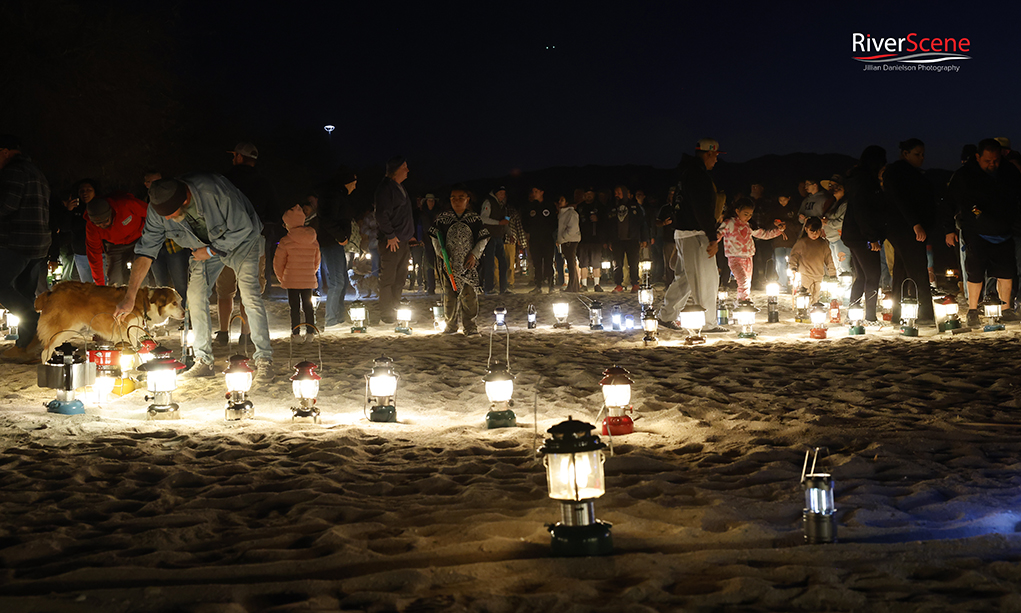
(200, 369)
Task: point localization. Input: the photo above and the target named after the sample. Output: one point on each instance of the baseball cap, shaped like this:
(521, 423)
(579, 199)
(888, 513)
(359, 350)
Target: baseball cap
(246, 149)
(167, 195)
(708, 145)
(99, 211)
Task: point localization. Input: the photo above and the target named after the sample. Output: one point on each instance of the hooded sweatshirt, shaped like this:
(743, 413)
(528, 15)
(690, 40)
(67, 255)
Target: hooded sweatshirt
(297, 256)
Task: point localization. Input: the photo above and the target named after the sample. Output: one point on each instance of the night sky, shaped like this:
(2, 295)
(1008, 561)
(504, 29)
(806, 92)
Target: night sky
(489, 88)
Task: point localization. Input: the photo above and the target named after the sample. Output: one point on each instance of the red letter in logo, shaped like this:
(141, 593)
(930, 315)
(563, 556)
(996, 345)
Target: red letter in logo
(914, 45)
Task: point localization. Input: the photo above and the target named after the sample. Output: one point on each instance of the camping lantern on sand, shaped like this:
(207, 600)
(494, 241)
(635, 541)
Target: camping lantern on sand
(819, 515)
(802, 302)
(532, 317)
(616, 385)
(12, 326)
(500, 389)
(722, 309)
(381, 390)
(650, 323)
(646, 296)
(818, 317)
(238, 378)
(359, 317)
(828, 286)
(107, 359)
(595, 315)
(187, 344)
(500, 318)
(856, 313)
(950, 310)
(161, 381)
(66, 371)
(645, 271)
(908, 310)
(834, 311)
(403, 317)
(993, 310)
(616, 318)
(745, 316)
(561, 310)
(692, 318)
(573, 455)
(606, 269)
(305, 386)
(629, 322)
(887, 304)
(772, 302)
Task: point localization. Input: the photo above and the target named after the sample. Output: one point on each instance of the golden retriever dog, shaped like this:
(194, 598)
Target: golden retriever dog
(71, 307)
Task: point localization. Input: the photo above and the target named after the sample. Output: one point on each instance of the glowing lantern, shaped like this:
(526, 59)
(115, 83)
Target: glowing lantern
(499, 389)
(574, 458)
(403, 317)
(616, 318)
(908, 310)
(819, 515)
(606, 268)
(646, 296)
(161, 381)
(993, 310)
(650, 323)
(107, 359)
(238, 378)
(745, 316)
(722, 309)
(500, 316)
(856, 313)
(692, 317)
(950, 309)
(887, 304)
(532, 317)
(834, 311)
(187, 344)
(802, 302)
(381, 390)
(845, 279)
(829, 286)
(629, 322)
(359, 316)
(772, 302)
(66, 371)
(818, 317)
(595, 315)
(305, 387)
(12, 326)
(616, 385)
(561, 310)
(645, 270)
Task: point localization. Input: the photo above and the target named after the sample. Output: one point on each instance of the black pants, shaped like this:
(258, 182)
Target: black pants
(909, 262)
(866, 276)
(299, 300)
(542, 262)
(629, 249)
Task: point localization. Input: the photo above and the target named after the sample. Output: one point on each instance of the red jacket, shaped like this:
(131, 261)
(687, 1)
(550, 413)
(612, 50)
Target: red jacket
(128, 220)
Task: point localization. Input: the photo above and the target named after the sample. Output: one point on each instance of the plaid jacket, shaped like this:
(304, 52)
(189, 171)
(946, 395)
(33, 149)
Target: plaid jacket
(24, 208)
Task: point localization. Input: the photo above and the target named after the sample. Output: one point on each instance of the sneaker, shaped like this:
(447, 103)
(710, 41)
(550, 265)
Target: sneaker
(597, 288)
(634, 289)
(715, 330)
(296, 337)
(670, 325)
(583, 288)
(618, 289)
(973, 319)
(222, 338)
(1009, 315)
(264, 372)
(200, 369)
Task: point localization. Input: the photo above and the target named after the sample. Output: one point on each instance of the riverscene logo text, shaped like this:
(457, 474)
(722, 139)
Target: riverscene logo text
(913, 52)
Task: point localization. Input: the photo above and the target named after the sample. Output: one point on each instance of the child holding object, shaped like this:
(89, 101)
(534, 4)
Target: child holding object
(812, 258)
(295, 263)
(738, 245)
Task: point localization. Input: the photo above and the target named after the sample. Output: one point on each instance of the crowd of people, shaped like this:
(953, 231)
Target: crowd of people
(215, 236)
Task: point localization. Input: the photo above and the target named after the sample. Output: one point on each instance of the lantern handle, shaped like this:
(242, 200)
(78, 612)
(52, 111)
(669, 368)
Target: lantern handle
(319, 341)
(127, 333)
(73, 332)
(231, 323)
(902, 283)
(815, 458)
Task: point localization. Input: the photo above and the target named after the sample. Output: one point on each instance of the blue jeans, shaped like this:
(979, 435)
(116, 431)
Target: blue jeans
(780, 255)
(171, 270)
(19, 277)
(202, 276)
(335, 259)
(493, 255)
(81, 264)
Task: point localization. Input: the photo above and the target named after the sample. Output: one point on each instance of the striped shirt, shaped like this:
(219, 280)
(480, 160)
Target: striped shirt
(24, 208)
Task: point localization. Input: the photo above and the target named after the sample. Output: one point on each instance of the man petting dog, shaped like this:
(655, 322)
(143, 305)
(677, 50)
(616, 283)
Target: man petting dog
(207, 214)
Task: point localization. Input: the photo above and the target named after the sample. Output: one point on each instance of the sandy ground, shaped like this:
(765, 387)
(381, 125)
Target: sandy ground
(108, 512)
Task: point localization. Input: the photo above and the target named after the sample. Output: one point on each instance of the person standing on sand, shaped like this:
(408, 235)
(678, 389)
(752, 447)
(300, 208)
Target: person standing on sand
(694, 223)
(459, 237)
(396, 218)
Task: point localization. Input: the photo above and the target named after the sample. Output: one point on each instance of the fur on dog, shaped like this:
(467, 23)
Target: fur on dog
(70, 308)
(365, 283)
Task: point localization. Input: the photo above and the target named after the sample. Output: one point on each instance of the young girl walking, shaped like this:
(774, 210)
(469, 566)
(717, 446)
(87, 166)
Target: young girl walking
(295, 264)
(738, 245)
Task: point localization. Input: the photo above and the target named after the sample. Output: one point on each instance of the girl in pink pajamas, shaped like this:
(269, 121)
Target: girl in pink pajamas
(738, 245)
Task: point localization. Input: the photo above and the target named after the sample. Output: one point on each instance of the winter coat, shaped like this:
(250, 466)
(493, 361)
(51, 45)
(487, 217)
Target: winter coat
(815, 205)
(737, 237)
(983, 203)
(912, 196)
(568, 230)
(866, 208)
(835, 221)
(812, 258)
(297, 256)
(627, 222)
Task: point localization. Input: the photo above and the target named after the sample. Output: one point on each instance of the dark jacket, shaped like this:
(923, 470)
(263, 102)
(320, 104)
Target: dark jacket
(695, 199)
(394, 213)
(627, 222)
(866, 207)
(334, 215)
(983, 203)
(912, 197)
(771, 213)
(540, 221)
(591, 231)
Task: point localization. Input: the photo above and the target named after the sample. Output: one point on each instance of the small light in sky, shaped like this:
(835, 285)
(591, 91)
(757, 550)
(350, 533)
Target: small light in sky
(329, 129)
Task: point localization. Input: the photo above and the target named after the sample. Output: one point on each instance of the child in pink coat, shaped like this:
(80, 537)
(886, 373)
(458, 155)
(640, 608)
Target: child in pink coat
(295, 263)
(738, 245)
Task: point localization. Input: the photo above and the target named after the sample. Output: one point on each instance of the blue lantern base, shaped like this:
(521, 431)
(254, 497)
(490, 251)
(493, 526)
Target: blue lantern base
(387, 414)
(11, 337)
(501, 419)
(65, 407)
(993, 328)
(856, 331)
(576, 541)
